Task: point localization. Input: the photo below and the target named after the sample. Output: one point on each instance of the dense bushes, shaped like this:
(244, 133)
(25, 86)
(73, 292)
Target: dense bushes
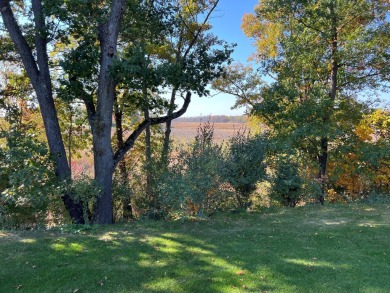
(28, 186)
(246, 171)
(206, 176)
(191, 184)
(287, 183)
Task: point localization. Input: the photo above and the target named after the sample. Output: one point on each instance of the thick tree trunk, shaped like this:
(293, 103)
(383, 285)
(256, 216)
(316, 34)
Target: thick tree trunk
(103, 153)
(103, 163)
(39, 74)
(57, 149)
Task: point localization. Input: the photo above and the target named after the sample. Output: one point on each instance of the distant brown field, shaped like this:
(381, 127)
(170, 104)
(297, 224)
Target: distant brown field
(186, 131)
(181, 131)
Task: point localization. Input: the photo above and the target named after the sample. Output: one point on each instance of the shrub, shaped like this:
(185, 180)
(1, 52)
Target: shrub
(244, 164)
(84, 190)
(28, 180)
(287, 185)
(122, 195)
(191, 185)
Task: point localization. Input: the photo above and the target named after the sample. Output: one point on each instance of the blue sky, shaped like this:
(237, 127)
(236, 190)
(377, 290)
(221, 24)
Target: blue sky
(226, 23)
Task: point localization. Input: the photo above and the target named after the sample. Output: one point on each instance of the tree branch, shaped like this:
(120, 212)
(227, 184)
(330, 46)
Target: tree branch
(41, 43)
(91, 111)
(322, 34)
(193, 41)
(19, 40)
(129, 143)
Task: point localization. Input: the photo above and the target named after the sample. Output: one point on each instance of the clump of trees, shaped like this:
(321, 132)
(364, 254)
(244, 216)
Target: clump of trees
(114, 57)
(320, 57)
(84, 77)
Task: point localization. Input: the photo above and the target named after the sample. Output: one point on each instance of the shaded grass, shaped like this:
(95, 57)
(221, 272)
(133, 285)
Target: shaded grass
(307, 249)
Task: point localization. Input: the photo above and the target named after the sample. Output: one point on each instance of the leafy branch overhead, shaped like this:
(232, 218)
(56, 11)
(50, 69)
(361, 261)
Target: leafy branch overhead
(118, 54)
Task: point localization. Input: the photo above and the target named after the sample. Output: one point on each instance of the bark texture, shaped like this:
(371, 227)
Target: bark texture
(102, 149)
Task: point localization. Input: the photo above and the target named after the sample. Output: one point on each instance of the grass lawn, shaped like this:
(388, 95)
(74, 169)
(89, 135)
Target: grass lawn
(306, 249)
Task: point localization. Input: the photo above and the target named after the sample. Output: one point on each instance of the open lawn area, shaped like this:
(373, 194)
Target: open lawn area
(305, 249)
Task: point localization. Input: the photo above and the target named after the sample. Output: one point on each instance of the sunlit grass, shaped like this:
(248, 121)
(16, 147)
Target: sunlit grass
(307, 249)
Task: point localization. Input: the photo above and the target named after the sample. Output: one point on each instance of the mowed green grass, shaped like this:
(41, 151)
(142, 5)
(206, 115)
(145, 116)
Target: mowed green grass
(305, 249)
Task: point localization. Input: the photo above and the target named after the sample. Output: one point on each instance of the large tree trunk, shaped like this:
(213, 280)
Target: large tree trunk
(39, 74)
(104, 168)
(103, 153)
(57, 149)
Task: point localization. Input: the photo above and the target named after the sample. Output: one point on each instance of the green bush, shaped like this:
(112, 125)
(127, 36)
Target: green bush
(29, 184)
(287, 184)
(84, 190)
(122, 196)
(243, 165)
(191, 185)
(376, 198)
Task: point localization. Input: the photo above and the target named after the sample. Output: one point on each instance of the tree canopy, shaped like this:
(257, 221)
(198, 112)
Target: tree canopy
(92, 51)
(322, 55)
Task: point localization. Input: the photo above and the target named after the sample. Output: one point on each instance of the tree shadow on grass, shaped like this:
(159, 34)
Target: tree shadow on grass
(117, 261)
(252, 253)
(330, 256)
